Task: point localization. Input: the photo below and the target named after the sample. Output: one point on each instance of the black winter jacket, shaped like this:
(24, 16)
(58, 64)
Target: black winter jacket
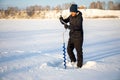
(76, 25)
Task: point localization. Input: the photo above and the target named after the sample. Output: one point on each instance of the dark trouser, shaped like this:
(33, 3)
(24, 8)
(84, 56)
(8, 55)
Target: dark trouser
(75, 41)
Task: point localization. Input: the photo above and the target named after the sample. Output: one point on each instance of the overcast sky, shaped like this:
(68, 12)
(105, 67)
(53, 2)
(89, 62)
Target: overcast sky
(24, 3)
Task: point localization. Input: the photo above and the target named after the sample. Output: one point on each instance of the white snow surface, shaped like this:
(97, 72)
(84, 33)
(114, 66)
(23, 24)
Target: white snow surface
(32, 50)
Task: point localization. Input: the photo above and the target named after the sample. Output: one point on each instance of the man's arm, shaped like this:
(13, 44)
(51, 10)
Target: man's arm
(64, 22)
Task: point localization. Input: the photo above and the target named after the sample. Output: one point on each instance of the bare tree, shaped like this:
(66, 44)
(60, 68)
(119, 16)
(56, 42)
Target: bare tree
(47, 8)
(12, 11)
(110, 5)
(30, 11)
(113, 6)
(117, 6)
(103, 5)
(99, 5)
(93, 5)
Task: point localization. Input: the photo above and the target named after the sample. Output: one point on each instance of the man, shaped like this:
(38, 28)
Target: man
(75, 35)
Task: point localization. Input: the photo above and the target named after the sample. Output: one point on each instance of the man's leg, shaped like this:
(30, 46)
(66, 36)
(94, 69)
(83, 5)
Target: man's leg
(70, 48)
(78, 46)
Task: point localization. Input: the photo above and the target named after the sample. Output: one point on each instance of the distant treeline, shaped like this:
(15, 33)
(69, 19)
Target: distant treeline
(102, 5)
(30, 11)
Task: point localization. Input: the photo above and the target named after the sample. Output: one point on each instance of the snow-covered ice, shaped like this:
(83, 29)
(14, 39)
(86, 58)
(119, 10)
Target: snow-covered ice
(32, 50)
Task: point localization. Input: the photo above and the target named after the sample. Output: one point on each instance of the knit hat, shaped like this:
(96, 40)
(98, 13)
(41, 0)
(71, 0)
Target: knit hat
(73, 8)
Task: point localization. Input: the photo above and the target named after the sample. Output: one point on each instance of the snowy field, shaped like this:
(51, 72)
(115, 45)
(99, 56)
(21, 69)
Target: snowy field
(32, 50)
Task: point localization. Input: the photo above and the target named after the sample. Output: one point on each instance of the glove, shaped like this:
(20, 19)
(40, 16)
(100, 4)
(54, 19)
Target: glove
(61, 19)
(66, 26)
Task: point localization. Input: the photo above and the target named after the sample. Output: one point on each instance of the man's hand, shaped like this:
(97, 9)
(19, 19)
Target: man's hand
(66, 26)
(61, 20)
